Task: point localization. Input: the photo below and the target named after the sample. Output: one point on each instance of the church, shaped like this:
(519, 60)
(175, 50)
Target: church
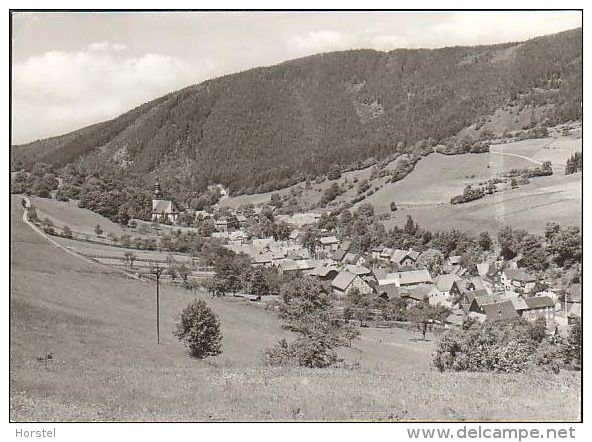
(163, 210)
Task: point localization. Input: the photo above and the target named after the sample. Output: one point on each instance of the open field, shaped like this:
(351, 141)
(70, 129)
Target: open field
(530, 207)
(425, 193)
(80, 220)
(557, 150)
(100, 327)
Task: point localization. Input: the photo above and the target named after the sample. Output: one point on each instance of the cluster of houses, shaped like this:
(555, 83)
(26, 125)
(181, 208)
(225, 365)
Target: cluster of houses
(499, 292)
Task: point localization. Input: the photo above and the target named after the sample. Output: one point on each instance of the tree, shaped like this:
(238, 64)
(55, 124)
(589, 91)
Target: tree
(130, 257)
(507, 242)
(183, 272)
(47, 225)
(311, 239)
(125, 240)
(98, 230)
(199, 329)
(551, 229)
(574, 163)
(306, 310)
(393, 206)
(112, 237)
(566, 246)
(172, 270)
(66, 232)
(410, 226)
(259, 284)
(534, 255)
(484, 241)
(573, 347)
(424, 315)
(359, 305)
(431, 259)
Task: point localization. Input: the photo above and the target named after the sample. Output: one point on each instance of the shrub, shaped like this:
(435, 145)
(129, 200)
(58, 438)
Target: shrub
(499, 346)
(199, 329)
(66, 232)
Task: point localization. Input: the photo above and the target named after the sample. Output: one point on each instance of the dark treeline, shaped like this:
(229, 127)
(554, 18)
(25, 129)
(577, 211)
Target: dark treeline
(269, 127)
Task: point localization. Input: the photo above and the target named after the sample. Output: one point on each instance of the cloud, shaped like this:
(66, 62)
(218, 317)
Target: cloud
(316, 41)
(470, 28)
(105, 46)
(58, 91)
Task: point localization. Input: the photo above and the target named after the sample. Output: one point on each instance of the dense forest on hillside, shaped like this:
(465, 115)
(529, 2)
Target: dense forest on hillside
(269, 127)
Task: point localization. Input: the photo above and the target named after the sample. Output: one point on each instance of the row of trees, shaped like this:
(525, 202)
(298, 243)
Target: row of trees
(560, 245)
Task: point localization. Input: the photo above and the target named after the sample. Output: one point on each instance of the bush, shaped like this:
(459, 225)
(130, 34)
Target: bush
(499, 347)
(199, 329)
(66, 232)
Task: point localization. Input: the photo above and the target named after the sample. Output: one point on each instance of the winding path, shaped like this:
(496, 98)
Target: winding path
(66, 249)
(497, 152)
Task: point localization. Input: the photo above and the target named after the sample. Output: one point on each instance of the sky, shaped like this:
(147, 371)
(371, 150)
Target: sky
(70, 70)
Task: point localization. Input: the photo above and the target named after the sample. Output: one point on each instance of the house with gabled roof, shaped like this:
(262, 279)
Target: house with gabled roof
(405, 258)
(500, 311)
(263, 259)
(444, 284)
(461, 286)
(345, 282)
(358, 270)
(388, 291)
(419, 293)
(325, 272)
(513, 279)
(329, 243)
(406, 279)
(539, 307)
(481, 299)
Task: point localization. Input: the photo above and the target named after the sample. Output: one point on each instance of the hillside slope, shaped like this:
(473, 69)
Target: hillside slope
(269, 127)
(107, 367)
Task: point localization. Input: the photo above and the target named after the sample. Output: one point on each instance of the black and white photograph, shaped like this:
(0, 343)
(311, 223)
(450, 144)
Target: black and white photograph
(291, 216)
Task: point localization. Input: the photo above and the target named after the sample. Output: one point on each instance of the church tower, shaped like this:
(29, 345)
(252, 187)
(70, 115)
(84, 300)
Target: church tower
(157, 191)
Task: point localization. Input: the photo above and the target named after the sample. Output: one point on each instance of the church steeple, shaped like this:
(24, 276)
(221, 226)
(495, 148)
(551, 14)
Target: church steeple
(157, 191)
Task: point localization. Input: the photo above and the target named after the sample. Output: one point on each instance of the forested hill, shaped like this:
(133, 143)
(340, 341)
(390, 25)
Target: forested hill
(266, 127)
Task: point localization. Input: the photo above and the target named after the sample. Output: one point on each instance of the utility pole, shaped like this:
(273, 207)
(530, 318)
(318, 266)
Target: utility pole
(157, 270)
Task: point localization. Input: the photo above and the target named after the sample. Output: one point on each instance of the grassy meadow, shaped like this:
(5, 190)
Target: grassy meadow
(106, 366)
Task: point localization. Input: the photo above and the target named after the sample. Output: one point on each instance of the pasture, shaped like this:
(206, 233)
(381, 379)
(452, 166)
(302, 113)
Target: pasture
(425, 193)
(106, 365)
(79, 220)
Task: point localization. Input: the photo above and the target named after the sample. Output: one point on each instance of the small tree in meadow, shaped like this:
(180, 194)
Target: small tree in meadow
(183, 272)
(199, 329)
(98, 230)
(130, 257)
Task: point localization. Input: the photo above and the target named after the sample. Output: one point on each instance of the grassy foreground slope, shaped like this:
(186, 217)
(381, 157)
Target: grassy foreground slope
(100, 327)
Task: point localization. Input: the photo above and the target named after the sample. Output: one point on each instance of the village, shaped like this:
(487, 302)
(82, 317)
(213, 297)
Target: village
(496, 290)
